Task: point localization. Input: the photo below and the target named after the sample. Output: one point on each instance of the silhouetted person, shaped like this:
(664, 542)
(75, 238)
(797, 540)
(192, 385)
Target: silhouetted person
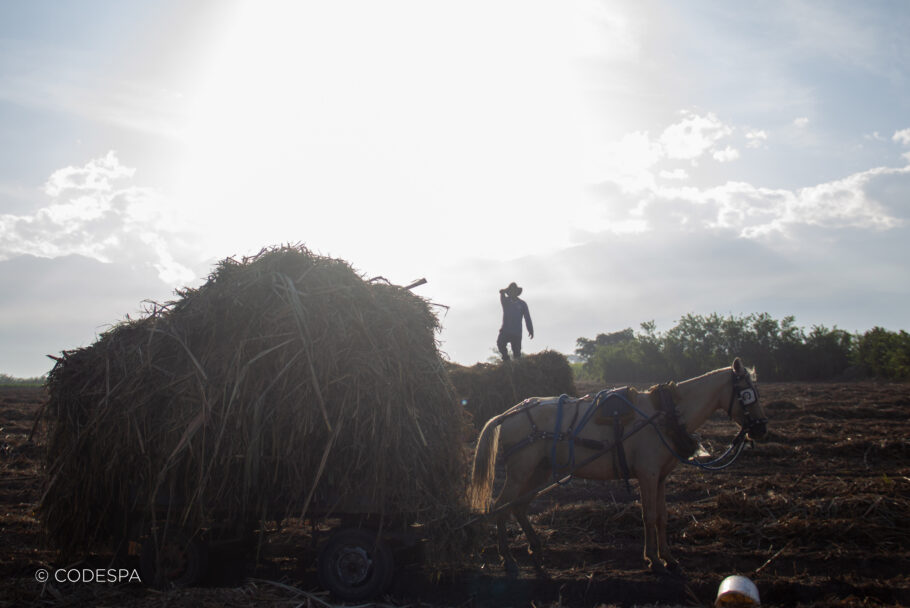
(514, 309)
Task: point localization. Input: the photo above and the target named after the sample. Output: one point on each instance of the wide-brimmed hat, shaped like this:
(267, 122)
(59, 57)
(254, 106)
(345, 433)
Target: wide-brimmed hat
(513, 289)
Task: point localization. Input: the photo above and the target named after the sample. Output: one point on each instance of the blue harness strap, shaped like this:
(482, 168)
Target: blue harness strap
(571, 434)
(525, 406)
(557, 433)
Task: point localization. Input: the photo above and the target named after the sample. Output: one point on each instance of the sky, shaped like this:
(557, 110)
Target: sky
(623, 162)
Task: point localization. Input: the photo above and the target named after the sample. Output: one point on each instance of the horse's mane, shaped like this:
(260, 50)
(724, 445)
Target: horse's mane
(753, 375)
(682, 441)
(655, 397)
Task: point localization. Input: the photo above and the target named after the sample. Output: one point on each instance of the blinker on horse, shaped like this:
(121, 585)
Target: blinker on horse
(642, 435)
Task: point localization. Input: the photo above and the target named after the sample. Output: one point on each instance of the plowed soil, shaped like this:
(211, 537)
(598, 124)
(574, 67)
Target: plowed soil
(816, 515)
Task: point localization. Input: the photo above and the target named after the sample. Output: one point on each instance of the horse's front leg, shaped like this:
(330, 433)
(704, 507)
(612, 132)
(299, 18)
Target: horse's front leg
(647, 486)
(662, 545)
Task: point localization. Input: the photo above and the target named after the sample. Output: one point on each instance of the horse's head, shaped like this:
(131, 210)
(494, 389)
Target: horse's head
(745, 407)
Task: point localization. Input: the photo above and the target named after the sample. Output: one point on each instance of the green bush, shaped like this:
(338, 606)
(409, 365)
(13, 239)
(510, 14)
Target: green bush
(884, 354)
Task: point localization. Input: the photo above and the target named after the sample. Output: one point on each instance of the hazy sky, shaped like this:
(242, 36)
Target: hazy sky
(622, 161)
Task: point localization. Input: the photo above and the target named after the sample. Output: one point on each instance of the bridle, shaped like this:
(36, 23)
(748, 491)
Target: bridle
(744, 393)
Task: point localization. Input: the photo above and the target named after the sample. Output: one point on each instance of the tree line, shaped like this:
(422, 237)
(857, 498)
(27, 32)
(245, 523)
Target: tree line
(7, 380)
(779, 350)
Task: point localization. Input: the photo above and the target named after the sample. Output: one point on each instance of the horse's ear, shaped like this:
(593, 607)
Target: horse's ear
(738, 366)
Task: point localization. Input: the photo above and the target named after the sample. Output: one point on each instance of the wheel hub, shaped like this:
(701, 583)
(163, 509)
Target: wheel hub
(173, 560)
(353, 565)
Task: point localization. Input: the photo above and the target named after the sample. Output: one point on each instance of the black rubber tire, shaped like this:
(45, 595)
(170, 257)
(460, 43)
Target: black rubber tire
(175, 561)
(354, 565)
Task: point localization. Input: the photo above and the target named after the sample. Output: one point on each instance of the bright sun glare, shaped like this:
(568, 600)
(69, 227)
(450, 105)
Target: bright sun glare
(322, 122)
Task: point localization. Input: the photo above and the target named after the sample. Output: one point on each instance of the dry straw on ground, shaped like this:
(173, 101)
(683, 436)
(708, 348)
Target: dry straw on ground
(488, 389)
(286, 385)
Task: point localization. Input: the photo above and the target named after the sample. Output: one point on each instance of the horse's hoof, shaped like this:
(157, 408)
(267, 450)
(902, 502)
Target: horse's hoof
(656, 567)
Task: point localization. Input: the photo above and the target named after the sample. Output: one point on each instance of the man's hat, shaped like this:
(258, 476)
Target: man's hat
(513, 289)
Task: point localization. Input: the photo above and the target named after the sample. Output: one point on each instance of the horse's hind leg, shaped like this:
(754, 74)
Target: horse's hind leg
(508, 494)
(535, 547)
(511, 492)
(508, 562)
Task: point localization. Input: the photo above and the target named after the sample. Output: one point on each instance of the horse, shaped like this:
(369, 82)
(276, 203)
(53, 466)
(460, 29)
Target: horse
(594, 444)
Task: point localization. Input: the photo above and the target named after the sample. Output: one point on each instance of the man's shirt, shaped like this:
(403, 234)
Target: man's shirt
(513, 310)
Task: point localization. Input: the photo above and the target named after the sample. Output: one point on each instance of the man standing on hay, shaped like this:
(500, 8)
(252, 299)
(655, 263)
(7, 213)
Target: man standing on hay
(514, 309)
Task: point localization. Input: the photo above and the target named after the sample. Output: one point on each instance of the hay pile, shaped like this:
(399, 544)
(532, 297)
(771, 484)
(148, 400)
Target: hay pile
(286, 385)
(487, 389)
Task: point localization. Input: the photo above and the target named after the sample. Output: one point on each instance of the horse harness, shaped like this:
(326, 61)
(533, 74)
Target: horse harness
(744, 393)
(616, 411)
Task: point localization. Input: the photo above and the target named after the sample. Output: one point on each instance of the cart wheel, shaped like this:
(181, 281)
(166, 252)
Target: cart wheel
(175, 561)
(355, 565)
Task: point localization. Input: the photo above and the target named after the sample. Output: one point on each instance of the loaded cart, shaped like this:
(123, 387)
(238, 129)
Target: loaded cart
(285, 386)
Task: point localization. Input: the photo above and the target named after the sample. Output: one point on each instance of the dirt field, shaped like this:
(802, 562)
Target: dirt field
(817, 515)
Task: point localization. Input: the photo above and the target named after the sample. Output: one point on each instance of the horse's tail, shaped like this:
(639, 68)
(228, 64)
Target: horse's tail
(481, 487)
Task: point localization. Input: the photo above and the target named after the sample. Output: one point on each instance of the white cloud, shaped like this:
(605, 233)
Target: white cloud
(79, 209)
(680, 174)
(97, 175)
(801, 122)
(861, 201)
(631, 162)
(755, 138)
(693, 136)
(755, 212)
(726, 155)
(92, 214)
(844, 203)
(747, 210)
